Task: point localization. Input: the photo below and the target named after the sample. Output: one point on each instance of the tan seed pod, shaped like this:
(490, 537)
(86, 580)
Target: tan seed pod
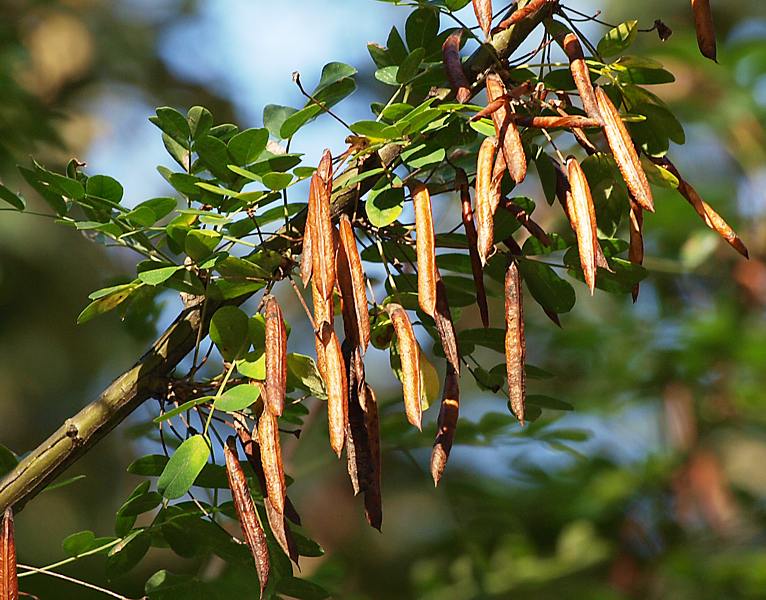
(566, 122)
(445, 327)
(409, 353)
(454, 66)
(581, 76)
(446, 424)
(527, 222)
(624, 152)
(9, 582)
(583, 217)
(491, 108)
(485, 228)
(348, 242)
(271, 460)
(470, 233)
(426, 247)
(506, 130)
(276, 356)
(483, 11)
(322, 244)
(336, 386)
(307, 261)
(248, 517)
(515, 342)
(636, 248)
(521, 14)
(703, 24)
(373, 503)
(346, 292)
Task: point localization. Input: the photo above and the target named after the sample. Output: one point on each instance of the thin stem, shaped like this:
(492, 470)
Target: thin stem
(34, 570)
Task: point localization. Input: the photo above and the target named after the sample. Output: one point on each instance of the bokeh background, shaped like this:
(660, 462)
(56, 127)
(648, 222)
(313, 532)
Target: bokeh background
(654, 486)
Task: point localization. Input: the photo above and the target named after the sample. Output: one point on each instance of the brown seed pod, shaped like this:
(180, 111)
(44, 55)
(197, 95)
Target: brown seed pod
(515, 342)
(9, 583)
(248, 517)
(581, 76)
(446, 328)
(454, 66)
(322, 244)
(446, 425)
(483, 10)
(425, 247)
(527, 222)
(506, 130)
(357, 445)
(491, 108)
(307, 261)
(348, 243)
(566, 122)
(373, 503)
(336, 386)
(470, 232)
(583, 217)
(523, 13)
(276, 356)
(485, 228)
(409, 353)
(271, 460)
(703, 24)
(636, 249)
(624, 152)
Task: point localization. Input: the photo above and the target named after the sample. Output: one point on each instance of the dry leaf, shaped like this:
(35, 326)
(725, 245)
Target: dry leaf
(483, 10)
(409, 353)
(271, 459)
(348, 243)
(515, 342)
(624, 152)
(485, 228)
(583, 217)
(454, 66)
(276, 356)
(581, 76)
(446, 425)
(248, 517)
(9, 583)
(425, 247)
(470, 232)
(507, 132)
(703, 24)
(322, 243)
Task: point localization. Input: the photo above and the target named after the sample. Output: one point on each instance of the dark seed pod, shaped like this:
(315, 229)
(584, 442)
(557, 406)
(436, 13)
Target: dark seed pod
(470, 232)
(703, 24)
(446, 425)
(454, 66)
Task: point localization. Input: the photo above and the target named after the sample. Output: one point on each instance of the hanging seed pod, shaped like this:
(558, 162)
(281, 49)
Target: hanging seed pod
(461, 182)
(583, 217)
(336, 386)
(359, 464)
(410, 357)
(506, 131)
(426, 248)
(446, 424)
(345, 289)
(322, 244)
(624, 152)
(483, 11)
(9, 583)
(348, 243)
(565, 122)
(277, 522)
(491, 108)
(636, 249)
(454, 66)
(485, 228)
(373, 503)
(703, 24)
(496, 187)
(710, 217)
(248, 517)
(527, 222)
(276, 356)
(271, 459)
(445, 327)
(521, 14)
(515, 342)
(307, 261)
(581, 76)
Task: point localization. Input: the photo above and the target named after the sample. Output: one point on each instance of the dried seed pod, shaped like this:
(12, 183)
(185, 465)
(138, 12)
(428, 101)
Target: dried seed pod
(445, 327)
(446, 425)
(336, 386)
(527, 222)
(483, 11)
(426, 247)
(491, 108)
(485, 228)
(276, 356)
(322, 244)
(624, 152)
(581, 76)
(248, 517)
(496, 187)
(307, 261)
(711, 218)
(567, 122)
(357, 445)
(583, 217)
(373, 503)
(348, 243)
(454, 66)
(9, 583)
(703, 24)
(522, 13)
(470, 232)
(506, 130)
(515, 342)
(271, 460)
(636, 249)
(409, 353)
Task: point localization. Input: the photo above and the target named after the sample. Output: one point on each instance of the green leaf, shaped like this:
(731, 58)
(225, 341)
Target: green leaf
(128, 553)
(384, 203)
(183, 467)
(238, 398)
(213, 153)
(301, 589)
(173, 123)
(200, 243)
(327, 97)
(493, 338)
(618, 40)
(164, 585)
(253, 365)
(409, 67)
(63, 483)
(228, 330)
(13, 199)
(83, 541)
(274, 117)
(8, 460)
(455, 5)
(248, 145)
(610, 195)
(388, 75)
(116, 296)
(421, 28)
(302, 373)
(548, 402)
(52, 198)
(546, 287)
(103, 186)
(395, 45)
(182, 408)
(200, 121)
(277, 181)
(374, 130)
(139, 504)
(332, 73)
(160, 275)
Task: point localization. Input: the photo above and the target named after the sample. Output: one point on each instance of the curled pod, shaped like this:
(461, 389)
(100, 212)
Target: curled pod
(9, 582)
(454, 66)
(348, 243)
(483, 11)
(581, 76)
(271, 460)
(485, 226)
(322, 242)
(470, 233)
(583, 217)
(515, 342)
(506, 130)
(425, 246)
(636, 248)
(446, 424)
(703, 24)
(624, 152)
(248, 517)
(336, 385)
(409, 353)
(276, 356)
